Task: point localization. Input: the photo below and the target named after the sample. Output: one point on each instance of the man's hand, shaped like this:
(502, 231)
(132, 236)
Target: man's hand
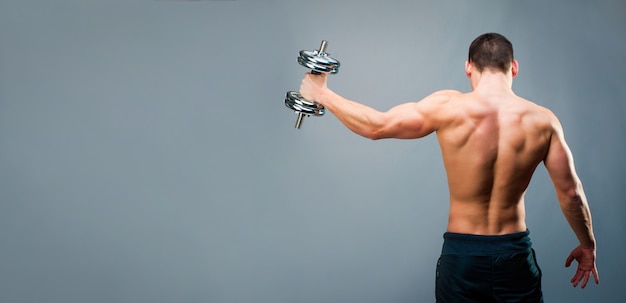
(312, 86)
(586, 258)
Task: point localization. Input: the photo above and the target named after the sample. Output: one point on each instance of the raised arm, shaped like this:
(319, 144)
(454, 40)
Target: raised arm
(405, 121)
(569, 191)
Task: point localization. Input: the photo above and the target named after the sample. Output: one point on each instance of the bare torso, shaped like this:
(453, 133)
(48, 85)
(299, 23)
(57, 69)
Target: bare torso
(491, 142)
(491, 145)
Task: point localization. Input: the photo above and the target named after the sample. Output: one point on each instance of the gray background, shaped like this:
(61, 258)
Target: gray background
(146, 154)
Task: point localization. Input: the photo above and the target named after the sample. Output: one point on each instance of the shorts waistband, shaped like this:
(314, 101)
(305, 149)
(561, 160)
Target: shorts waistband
(456, 243)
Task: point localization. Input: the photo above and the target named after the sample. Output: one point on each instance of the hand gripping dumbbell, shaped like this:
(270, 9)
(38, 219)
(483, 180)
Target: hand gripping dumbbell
(319, 62)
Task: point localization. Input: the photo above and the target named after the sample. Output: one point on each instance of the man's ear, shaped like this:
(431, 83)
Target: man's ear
(514, 68)
(468, 69)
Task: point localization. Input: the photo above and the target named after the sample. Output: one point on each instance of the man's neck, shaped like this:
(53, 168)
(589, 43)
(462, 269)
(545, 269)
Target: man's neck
(493, 82)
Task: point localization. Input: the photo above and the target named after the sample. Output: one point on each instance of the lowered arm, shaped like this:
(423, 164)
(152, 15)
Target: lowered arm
(569, 190)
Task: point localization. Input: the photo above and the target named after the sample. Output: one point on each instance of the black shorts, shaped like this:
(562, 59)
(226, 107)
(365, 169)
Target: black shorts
(474, 268)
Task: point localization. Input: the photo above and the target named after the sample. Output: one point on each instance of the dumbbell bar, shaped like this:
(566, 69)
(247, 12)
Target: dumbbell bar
(319, 62)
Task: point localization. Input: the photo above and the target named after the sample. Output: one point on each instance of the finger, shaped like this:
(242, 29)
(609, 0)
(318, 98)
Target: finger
(577, 277)
(569, 260)
(585, 279)
(595, 275)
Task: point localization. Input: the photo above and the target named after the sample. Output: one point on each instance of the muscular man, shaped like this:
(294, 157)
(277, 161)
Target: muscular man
(491, 141)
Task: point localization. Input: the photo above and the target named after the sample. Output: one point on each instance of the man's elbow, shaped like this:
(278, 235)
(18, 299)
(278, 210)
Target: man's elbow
(375, 133)
(573, 197)
(374, 130)
(372, 135)
(572, 202)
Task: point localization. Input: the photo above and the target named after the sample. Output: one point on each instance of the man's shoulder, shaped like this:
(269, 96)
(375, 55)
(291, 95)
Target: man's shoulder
(442, 96)
(537, 108)
(447, 93)
(536, 115)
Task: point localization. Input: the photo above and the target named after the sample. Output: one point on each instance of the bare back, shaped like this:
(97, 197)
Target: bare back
(491, 146)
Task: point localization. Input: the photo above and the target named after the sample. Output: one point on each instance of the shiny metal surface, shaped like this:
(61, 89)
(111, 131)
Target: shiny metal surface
(319, 62)
(323, 46)
(303, 107)
(294, 100)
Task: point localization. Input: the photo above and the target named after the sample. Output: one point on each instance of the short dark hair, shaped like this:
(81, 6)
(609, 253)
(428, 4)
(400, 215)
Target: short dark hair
(491, 51)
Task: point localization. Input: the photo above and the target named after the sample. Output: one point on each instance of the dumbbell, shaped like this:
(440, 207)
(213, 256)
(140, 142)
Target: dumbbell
(319, 62)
